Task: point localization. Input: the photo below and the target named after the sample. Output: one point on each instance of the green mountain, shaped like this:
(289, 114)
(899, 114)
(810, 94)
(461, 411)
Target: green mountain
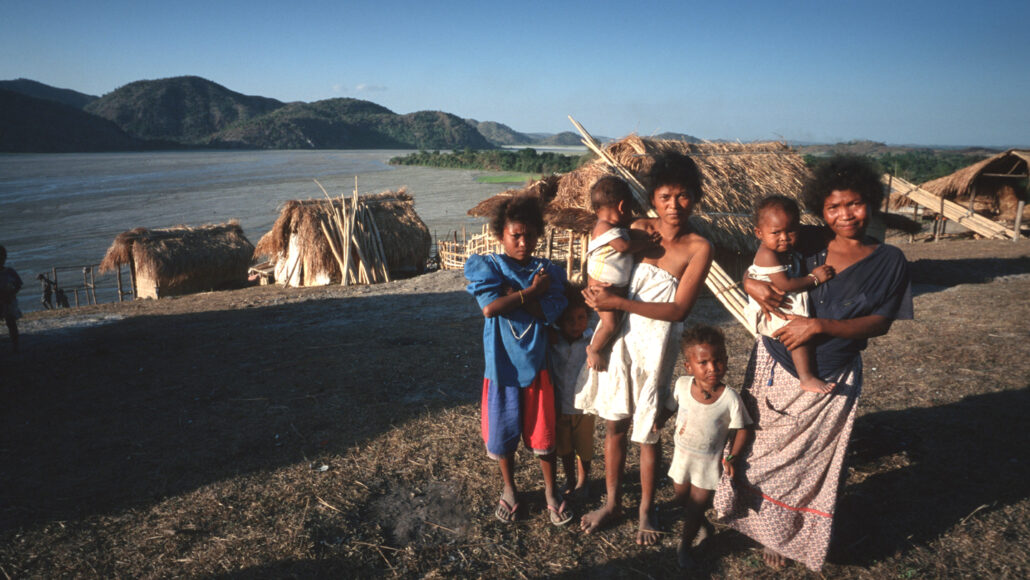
(182, 109)
(31, 125)
(678, 137)
(563, 139)
(350, 124)
(500, 134)
(40, 91)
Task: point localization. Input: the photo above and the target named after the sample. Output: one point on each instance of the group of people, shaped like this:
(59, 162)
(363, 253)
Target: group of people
(769, 458)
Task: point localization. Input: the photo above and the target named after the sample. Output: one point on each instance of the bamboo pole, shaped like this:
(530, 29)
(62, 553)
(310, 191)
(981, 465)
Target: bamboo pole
(119, 279)
(717, 281)
(1016, 234)
(374, 227)
(568, 259)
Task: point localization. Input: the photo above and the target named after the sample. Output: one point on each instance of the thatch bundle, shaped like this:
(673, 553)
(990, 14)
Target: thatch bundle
(182, 259)
(996, 185)
(297, 238)
(735, 176)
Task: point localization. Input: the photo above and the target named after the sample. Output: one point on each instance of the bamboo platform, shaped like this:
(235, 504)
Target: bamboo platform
(949, 209)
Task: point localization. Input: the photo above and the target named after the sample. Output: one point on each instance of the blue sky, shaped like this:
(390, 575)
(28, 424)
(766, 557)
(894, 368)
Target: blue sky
(901, 72)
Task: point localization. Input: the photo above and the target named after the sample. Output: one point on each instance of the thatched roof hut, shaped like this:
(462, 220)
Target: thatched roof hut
(735, 176)
(181, 259)
(303, 257)
(995, 185)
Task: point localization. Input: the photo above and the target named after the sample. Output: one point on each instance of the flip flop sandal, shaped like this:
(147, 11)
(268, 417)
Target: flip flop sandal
(506, 512)
(559, 515)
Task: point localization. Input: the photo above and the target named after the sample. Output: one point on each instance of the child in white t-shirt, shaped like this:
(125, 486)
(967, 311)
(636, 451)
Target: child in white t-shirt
(709, 414)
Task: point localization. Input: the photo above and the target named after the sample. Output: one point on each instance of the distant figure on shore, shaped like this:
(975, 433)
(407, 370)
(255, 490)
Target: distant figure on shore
(610, 256)
(10, 284)
(47, 287)
(519, 295)
(62, 298)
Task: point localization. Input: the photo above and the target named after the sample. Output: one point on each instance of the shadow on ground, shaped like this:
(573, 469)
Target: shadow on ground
(125, 414)
(931, 468)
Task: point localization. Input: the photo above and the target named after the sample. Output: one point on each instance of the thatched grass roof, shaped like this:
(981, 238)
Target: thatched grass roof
(962, 182)
(173, 256)
(406, 239)
(735, 176)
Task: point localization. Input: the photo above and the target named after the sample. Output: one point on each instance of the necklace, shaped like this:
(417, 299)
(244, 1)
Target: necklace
(706, 394)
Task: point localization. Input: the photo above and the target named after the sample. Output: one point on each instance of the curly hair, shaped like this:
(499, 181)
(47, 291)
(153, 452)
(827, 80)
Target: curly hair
(677, 169)
(609, 190)
(840, 173)
(704, 334)
(524, 209)
(780, 202)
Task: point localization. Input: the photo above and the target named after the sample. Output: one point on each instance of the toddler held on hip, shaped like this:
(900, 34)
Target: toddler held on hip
(777, 219)
(610, 256)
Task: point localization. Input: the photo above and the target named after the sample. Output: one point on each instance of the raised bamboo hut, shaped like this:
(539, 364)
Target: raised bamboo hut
(182, 259)
(735, 176)
(992, 187)
(300, 251)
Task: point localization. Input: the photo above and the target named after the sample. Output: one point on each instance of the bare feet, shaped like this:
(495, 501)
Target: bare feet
(596, 519)
(772, 559)
(817, 385)
(596, 360)
(648, 533)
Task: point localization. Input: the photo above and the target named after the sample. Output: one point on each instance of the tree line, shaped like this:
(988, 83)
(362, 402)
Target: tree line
(523, 161)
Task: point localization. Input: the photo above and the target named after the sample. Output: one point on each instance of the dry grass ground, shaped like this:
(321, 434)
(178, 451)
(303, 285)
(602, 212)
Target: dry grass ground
(334, 433)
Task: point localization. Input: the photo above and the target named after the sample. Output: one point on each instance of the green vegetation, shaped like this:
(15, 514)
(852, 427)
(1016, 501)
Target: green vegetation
(918, 165)
(523, 161)
(507, 178)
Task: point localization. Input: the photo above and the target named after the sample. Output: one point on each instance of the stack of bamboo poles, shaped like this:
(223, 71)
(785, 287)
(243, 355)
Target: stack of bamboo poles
(354, 240)
(718, 281)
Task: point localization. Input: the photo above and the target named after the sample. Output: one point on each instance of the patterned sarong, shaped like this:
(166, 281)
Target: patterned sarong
(788, 480)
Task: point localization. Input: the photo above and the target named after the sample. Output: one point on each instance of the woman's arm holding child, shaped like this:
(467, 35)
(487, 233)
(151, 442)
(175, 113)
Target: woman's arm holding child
(801, 329)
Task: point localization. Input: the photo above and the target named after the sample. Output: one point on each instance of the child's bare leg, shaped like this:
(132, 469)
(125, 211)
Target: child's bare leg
(582, 474)
(568, 463)
(507, 466)
(548, 466)
(650, 458)
(615, 437)
(597, 350)
(695, 501)
(804, 362)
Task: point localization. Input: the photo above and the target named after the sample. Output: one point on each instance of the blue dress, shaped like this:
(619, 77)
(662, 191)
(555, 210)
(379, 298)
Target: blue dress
(514, 343)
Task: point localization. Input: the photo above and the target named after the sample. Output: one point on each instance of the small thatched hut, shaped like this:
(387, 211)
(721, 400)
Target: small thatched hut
(297, 245)
(735, 176)
(181, 259)
(994, 187)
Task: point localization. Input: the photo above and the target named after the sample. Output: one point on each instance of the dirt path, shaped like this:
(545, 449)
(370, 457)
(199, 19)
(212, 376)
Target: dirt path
(316, 432)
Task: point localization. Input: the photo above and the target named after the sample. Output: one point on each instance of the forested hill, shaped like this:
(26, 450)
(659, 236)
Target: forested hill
(182, 109)
(195, 112)
(31, 125)
(41, 91)
(350, 124)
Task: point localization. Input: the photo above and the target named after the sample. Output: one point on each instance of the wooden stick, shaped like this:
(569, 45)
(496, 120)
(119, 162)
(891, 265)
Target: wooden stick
(332, 245)
(378, 243)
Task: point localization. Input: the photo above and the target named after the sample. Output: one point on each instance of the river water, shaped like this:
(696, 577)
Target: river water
(64, 210)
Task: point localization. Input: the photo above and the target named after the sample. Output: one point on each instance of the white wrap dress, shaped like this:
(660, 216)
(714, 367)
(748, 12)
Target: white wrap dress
(637, 382)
